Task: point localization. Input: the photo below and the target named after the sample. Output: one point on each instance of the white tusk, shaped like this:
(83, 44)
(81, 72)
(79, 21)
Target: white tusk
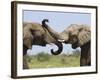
(61, 40)
(51, 44)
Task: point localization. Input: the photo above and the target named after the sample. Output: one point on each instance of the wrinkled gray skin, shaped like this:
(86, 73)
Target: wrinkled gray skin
(78, 36)
(36, 34)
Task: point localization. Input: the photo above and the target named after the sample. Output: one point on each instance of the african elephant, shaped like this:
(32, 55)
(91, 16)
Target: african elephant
(36, 34)
(78, 36)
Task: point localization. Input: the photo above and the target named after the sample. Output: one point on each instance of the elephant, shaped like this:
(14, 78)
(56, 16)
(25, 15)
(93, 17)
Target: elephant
(36, 34)
(77, 36)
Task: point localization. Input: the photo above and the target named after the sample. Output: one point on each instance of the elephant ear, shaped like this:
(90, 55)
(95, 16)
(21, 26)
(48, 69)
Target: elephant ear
(84, 36)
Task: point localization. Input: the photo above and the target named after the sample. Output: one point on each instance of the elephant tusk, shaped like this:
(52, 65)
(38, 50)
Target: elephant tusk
(61, 40)
(51, 44)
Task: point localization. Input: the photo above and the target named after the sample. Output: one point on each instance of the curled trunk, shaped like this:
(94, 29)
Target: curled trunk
(60, 48)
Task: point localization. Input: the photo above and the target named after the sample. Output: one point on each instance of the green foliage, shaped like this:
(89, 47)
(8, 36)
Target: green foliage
(42, 56)
(45, 60)
(76, 53)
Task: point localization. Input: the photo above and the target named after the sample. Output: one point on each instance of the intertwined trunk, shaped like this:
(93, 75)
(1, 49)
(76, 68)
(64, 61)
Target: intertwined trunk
(55, 35)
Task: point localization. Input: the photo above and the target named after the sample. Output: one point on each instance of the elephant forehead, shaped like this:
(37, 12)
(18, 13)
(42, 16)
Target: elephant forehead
(73, 31)
(73, 26)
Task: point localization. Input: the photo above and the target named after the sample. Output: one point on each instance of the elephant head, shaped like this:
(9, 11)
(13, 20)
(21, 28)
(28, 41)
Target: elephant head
(36, 34)
(77, 35)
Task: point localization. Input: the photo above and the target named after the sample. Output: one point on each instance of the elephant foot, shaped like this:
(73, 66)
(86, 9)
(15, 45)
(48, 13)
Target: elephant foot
(84, 62)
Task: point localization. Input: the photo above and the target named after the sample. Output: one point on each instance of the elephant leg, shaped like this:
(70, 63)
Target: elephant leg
(89, 58)
(85, 59)
(24, 50)
(89, 62)
(25, 64)
(83, 62)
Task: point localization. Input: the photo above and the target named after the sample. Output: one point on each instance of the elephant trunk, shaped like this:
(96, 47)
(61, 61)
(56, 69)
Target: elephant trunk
(54, 34)
(60, 48)
(61, 37)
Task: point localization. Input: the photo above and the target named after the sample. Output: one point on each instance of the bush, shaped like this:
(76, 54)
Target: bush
(76, 53)
(43, 56)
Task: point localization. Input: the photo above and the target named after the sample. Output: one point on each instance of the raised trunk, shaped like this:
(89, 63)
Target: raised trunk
(53, 33)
